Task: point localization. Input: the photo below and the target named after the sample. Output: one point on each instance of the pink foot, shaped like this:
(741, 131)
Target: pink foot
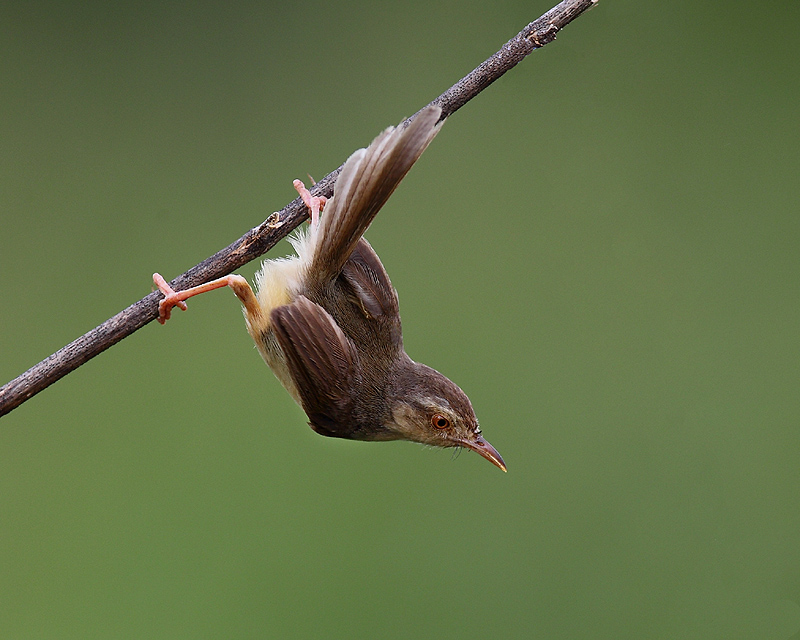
(171, 299)
(174, 298)
(315, 204)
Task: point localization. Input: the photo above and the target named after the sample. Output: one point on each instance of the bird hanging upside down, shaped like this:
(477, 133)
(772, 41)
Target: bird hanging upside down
(327, 321)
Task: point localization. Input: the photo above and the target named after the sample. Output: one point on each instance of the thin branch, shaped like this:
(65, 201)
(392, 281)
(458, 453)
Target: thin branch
(259, 240)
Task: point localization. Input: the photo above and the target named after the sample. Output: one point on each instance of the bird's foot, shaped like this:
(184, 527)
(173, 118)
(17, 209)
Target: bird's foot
(174, 298)
(171, 299)
(315, 204)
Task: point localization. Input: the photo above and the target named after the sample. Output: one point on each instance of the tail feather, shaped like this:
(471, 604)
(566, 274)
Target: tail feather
(367, 180)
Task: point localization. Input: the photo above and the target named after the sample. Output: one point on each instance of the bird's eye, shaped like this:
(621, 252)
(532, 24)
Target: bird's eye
(439, 421)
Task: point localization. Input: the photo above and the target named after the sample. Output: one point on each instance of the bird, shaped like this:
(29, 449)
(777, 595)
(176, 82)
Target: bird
(327, 321)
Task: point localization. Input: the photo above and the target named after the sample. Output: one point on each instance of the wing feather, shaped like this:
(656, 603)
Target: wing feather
(321, 362)
(367, 180)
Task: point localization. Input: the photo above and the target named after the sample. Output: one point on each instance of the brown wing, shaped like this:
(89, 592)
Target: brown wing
(370, 282)
(367, 180)
(321, 362)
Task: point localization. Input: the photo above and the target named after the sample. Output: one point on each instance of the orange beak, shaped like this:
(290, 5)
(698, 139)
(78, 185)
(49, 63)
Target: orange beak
(484, 449)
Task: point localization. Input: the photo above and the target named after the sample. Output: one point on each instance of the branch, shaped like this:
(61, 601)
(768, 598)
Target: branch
(259, 240)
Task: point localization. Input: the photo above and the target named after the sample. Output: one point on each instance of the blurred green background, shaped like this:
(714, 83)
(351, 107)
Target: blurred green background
(601, 249)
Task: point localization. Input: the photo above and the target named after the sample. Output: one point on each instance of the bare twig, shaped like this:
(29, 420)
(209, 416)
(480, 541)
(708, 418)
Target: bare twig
(259, 240)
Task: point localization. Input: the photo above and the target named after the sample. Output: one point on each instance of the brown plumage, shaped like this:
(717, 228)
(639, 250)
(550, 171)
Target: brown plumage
(327, 321)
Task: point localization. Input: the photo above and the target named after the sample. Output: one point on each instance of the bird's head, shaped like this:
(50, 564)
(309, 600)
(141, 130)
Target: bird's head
(427, 407)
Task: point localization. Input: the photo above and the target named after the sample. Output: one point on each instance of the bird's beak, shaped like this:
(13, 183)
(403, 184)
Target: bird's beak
(483, 448)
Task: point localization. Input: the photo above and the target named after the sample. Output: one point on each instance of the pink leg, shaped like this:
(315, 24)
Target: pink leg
(315, 204)
(174, 298)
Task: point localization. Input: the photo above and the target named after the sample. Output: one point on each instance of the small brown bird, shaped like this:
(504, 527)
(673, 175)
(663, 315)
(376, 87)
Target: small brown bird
(327, 321)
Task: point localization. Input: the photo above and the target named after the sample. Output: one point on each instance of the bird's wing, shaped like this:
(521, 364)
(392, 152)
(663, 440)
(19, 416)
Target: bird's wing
(321, 361)
(375, 295)
(367, 180)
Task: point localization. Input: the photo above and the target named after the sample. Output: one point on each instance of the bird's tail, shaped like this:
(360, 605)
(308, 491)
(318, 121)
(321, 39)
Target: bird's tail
(367, 180)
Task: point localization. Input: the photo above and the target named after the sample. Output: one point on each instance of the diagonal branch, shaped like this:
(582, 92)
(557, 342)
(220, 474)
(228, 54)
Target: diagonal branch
(259, 240)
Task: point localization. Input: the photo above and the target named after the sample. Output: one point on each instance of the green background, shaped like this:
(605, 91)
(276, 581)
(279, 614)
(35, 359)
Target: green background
(601, 249)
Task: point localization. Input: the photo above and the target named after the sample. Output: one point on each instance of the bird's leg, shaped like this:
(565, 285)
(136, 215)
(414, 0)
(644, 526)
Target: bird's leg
(315, 204)
(174, 298)
(239, 285)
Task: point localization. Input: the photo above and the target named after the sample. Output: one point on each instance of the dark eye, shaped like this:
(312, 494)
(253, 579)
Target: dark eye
(439, 421)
